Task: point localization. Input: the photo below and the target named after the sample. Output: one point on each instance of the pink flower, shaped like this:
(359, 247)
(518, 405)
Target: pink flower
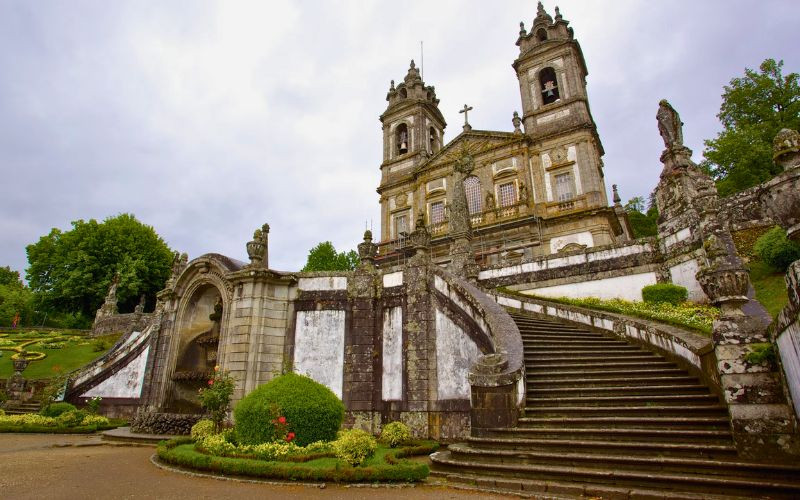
(211, 382)
(289, 437)
(282, 420)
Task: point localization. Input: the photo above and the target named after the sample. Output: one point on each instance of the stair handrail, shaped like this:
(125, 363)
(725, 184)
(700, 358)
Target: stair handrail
(500, 371)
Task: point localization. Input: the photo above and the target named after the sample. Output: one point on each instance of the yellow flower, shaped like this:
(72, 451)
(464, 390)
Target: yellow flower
(216, 368)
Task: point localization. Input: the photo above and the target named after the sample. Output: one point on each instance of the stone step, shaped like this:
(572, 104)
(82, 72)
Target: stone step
(630, 446)
(561, 489)
(567, 341)
(563, 345)
(581, 372)
(732, 467)
(587, 355)
(654, 399)
(621, 380)
(672, 436)
(714, 410)
(720, 423)
(587, 390)
(562, 332)
(595, 365)
(701, 483)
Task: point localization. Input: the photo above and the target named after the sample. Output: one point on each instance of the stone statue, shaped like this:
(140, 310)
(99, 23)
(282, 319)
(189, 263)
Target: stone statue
(257, 249)
(523, 192)
(669, 125)
(489, 201)
(140, 306)
(517, 121)
(112, 290)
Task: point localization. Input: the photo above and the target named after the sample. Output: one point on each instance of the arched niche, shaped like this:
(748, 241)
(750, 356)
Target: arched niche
(199, 329)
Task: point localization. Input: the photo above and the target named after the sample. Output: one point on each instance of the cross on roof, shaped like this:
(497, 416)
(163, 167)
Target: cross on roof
(466, 121)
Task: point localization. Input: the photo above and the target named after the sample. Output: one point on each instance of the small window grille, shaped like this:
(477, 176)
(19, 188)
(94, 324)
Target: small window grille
(508, 194)
(472, 187)
(437, 212)
(564, 187)
(400, 225)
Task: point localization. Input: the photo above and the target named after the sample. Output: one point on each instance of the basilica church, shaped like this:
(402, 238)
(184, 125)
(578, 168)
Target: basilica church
(536, 190)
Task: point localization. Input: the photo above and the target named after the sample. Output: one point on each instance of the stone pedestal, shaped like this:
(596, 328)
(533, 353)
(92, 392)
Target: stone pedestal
(494, 395)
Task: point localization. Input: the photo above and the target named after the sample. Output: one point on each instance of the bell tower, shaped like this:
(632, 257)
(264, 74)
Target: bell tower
(552, 79)
(413, 126)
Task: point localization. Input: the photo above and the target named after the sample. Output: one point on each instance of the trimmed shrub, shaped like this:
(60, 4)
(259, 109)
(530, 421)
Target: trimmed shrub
(56, 409)
(203, 428)
(312, 411)
(776, 250)
(97, 420)
(664, 292)
(395, 434)
(71, 418)
(354, 446)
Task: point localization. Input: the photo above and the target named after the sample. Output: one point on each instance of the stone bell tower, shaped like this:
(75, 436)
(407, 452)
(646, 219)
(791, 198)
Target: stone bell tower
(552, 77)
(413, 126)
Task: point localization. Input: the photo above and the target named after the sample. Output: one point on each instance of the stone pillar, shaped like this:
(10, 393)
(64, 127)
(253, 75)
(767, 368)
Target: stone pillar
(762, 422)
(494, 395)
(781, 195)
(463, 257)
(418, 336)
(361, 390)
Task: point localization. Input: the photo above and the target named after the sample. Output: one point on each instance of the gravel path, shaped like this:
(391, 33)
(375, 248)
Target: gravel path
(39, 466)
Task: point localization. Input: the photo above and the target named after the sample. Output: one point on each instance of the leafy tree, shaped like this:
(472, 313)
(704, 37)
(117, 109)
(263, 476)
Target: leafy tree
(71, 271)
(323, 257)
(15, 298)
(754, 109)
(642, 224)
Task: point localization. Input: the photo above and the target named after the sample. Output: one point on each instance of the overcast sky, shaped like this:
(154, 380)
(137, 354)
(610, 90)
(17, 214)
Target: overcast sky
(207, 119)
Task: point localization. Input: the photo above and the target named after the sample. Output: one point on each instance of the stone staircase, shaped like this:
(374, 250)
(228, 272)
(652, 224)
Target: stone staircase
(606, 418)
(21, 408)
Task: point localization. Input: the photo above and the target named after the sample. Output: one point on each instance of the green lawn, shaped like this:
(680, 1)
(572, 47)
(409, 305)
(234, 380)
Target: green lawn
(76, 353)
(770, 287)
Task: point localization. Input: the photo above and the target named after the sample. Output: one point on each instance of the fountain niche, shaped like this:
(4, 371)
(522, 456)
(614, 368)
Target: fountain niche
(197, 350)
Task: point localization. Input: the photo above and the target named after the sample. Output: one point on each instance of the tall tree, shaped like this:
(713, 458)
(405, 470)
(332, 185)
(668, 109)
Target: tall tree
(642, 224)
(71, 271)
(15, 298)
(324, 257)
(754, 109)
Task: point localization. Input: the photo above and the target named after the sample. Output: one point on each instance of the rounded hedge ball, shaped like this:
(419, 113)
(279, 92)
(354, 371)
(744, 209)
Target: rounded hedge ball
(312, 411)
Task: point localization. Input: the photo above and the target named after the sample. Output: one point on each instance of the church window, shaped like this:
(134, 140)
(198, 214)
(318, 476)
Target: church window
(433, 140)
(541, 34)
(402, 139)
(436, 210)
(400, 225)
(564, 187)
(548, 84)
(472, 187)
(507, 193)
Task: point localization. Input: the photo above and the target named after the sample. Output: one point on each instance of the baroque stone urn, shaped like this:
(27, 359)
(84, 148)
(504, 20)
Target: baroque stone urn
(781, 198)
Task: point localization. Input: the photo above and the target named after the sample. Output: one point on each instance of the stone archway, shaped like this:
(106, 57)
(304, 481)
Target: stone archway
(198, 343)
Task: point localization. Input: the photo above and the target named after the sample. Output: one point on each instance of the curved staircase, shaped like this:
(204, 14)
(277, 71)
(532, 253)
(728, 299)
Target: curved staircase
(606, 418)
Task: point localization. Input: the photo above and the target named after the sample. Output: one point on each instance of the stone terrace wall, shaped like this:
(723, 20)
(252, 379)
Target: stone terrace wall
(608, 272)
(786, 334)
(121, 323)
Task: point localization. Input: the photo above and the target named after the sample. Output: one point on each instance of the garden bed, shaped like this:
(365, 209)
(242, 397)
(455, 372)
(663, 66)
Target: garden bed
(386, 465)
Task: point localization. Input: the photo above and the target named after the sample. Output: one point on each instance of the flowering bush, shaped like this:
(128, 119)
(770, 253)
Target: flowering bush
(354, 446)
(71, 418)
(216, 399)
(29, 419)
(220, 445)
(395, 434)
(95, 420)
(203, 428)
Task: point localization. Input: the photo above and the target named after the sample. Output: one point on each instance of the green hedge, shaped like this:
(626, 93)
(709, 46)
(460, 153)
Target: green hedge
(312, 411)
(322, 469)
(776, 250)
(41, 429)
(56, 409)
(664, 293)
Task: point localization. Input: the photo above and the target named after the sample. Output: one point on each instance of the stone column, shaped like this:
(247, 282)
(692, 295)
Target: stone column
(361, 362)
(418, 335)
(762, 422)
(463, 257)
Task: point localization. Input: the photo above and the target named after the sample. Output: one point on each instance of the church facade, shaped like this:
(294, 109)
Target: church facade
(536, 190)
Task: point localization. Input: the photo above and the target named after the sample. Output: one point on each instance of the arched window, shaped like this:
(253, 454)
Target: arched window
(433, 140)
(541, 34)
(548, 84)
(401, 139)
(472, 188)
